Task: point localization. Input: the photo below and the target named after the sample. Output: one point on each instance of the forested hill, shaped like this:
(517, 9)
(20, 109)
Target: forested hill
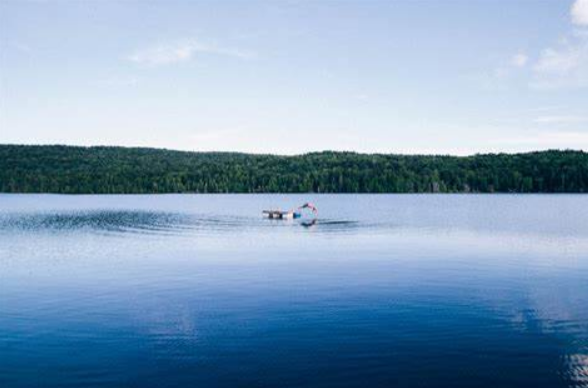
(65, 169)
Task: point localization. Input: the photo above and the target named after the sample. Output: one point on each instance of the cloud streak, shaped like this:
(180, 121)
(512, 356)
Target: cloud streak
(551, 139)
(560, 119)
(563, 65)
(566, 65)
(579, 13)
(519, 60)
(184, 51)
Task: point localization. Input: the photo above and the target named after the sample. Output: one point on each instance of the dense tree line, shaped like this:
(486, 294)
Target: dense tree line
(65, 169)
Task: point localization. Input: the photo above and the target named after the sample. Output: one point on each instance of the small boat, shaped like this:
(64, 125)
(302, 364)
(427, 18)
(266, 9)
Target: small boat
(289, 214)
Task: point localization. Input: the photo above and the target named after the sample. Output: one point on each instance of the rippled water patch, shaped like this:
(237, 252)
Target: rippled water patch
(140, 221)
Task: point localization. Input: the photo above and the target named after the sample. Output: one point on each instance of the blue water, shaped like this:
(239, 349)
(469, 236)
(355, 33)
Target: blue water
(382, 291)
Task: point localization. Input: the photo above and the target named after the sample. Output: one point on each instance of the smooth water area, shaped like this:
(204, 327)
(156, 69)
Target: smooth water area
(380, 291)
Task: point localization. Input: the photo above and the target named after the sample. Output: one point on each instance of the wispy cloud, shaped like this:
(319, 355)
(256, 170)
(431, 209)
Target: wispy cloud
(519, 60)
(560, 119)
(499, 78)
(565, 65)
(548, 139)
(558, 61)
(122, 81)
(23, 48)
(562, 65)
(182, 51)
(580, 13)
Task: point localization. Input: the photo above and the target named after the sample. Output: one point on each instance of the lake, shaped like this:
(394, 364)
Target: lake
(380, 291)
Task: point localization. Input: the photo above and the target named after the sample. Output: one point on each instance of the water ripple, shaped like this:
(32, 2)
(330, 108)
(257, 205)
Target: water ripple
(154, 222)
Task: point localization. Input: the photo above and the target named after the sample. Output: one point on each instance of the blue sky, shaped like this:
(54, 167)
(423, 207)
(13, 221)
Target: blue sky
(289, 77)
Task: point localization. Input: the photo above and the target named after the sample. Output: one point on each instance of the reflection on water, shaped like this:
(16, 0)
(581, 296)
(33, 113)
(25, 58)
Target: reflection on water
(425, 291)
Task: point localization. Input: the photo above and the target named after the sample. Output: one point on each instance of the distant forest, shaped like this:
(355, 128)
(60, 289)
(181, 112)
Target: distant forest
(109, 170)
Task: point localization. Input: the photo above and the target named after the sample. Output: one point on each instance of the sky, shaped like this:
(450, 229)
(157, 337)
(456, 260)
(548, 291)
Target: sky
(288, 77)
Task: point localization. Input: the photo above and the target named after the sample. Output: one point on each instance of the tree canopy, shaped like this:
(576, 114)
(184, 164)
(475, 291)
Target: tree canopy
(105, 170)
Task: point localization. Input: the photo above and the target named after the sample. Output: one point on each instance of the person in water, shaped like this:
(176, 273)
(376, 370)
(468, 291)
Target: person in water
(310, 206)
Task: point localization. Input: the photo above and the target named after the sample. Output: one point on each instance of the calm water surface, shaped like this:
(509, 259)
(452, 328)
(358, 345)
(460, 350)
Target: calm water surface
(382, 291)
